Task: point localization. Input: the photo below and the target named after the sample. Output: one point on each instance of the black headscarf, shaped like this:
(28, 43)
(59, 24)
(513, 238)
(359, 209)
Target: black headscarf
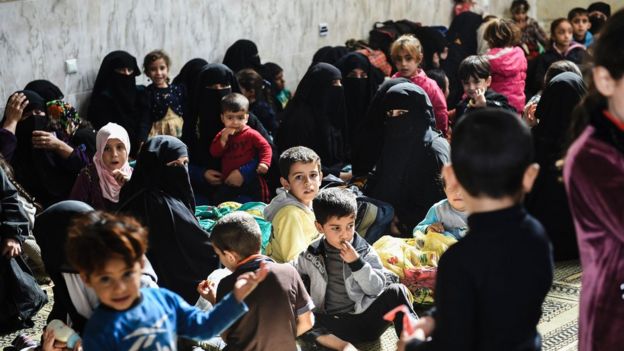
(358, 91)
(432, 41)
(548, 201)
(115, 97)
(161, 197)
(316, 118)
(329, 54)
(242, 54)
(35, 102)
(408, 170)
(367, 144)
(46, 89)
(462, 40)
(187, 79)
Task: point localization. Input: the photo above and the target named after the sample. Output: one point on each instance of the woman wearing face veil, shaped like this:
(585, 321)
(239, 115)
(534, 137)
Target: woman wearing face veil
(242, 54)
(116, 97)
(407, 172)
(159, 194)
(316, 117)
(50, 145)
(187, 79)
(214, 82)
(360, 81)
(548, 201)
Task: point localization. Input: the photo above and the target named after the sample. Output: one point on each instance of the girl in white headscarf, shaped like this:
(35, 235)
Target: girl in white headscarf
(99, 183)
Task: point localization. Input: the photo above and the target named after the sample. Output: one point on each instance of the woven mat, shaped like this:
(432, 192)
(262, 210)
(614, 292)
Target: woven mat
(558, 325)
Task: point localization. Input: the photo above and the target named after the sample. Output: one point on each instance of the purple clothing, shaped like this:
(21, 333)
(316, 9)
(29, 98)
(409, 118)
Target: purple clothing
(8, 143)
(87, 189)
(508, 67)
(594, 180)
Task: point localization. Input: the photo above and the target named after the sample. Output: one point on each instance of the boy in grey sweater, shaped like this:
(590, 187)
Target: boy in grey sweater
(347, 280)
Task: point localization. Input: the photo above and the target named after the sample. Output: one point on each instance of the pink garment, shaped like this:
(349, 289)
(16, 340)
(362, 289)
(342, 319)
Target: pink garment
(508, 69)
(110, 187)
(594, 180)
(438, 101)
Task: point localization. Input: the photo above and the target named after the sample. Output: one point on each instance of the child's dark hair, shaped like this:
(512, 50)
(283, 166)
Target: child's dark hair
(608, 53)
(501, 33)
(249, 79)
(558, 67)
(490, 152)
(438, 76)
(237, 232)
(334, 202)
(555, 24)
(96, 237)
(577, 11)
(234, 102)
(297, 154)
(520, 6)
(154, 56)
(474, 66)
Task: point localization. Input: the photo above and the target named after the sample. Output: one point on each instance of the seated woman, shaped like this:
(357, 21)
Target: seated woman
(99, 184)
(46, 145)
(407, 172)
(159, 194)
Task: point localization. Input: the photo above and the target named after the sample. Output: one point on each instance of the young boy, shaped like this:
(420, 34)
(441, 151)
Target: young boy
(491, 284)
(474, 74)
(290, 212)
(239, 145)
(280, 309)
(107, 251)
(579, 18)
(447, 216)
(347, 280)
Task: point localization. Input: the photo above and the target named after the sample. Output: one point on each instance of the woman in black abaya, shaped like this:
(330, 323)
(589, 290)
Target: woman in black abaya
(242, 54)
(548, 201)
(116, 98)
(187, 79)
(159, 194)
(316, 117)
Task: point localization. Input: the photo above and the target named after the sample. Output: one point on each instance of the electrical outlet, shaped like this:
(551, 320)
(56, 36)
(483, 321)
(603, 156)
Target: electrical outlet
(323, 29)
(71, 66)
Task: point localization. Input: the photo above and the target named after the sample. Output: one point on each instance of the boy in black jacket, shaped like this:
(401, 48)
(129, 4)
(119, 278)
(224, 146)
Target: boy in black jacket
(491, 284)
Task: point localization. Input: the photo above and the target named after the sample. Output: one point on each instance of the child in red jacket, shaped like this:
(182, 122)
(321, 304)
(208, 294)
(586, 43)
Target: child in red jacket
(240, 147)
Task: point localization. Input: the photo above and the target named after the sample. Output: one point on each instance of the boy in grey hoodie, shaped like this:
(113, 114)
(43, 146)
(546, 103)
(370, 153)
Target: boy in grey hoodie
(347, 281)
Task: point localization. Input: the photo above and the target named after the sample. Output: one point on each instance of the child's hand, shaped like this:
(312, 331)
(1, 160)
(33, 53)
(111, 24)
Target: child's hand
(348, 253)
(225, 135)
(49, 342)
(120, 176)
(213, 177)
(262, 168)
(435, 227)
(235, 179)
(479, 100)
(247, 282)
(208, 290)
(10, 248)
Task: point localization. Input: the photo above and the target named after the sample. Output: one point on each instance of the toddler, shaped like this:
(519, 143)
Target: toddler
(447, 216)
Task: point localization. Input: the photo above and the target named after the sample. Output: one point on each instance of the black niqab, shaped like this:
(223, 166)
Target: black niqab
(242, 54)
(187, 79)
(316, 118)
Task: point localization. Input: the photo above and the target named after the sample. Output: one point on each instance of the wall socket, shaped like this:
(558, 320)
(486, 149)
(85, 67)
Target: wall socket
(323, 29)
(71, 66)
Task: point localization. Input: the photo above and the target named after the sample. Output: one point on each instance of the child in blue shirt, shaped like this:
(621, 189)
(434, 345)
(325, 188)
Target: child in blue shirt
(447, 216)
(107, 250)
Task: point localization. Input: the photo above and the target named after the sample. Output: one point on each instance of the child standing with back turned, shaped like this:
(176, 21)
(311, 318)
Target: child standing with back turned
(492, 163)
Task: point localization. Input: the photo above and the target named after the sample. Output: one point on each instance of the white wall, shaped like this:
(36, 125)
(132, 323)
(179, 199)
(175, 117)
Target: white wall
(37, 36)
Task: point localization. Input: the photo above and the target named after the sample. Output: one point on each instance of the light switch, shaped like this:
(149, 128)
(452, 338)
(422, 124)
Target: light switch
(323, 29)
(71, 66)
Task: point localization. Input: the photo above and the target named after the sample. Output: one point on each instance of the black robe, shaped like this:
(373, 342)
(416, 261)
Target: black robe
(161, 197)
(242, 54)
(329, 54)
(407, 174)
(187, 79)
(46, 89)
(116, 98)
(316, 118)
(548, 201)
